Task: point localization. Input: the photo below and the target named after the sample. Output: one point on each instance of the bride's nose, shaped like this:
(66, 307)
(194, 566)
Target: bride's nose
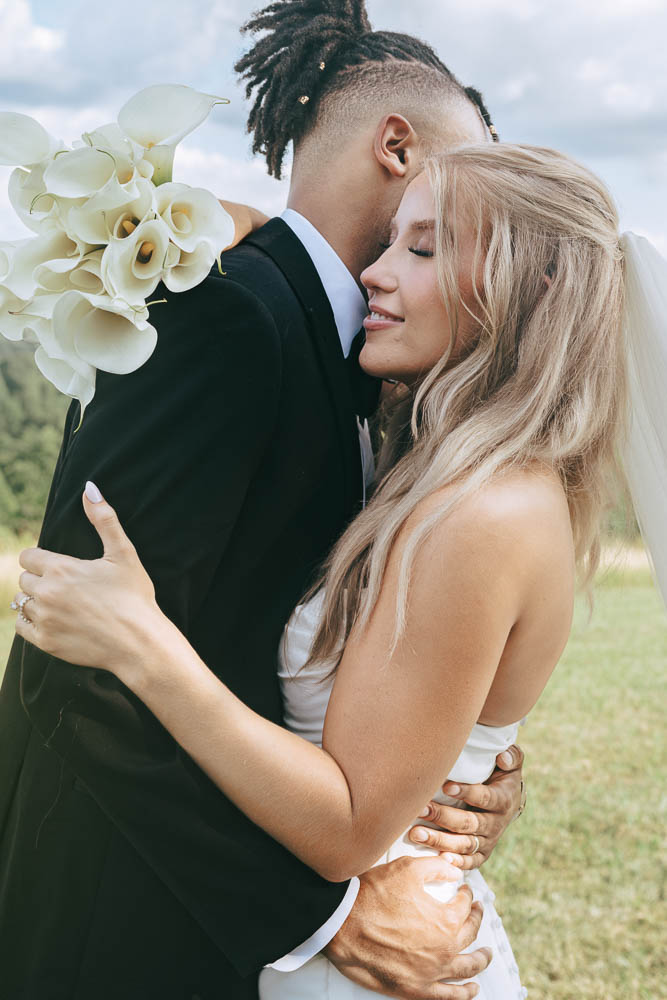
(379, 277)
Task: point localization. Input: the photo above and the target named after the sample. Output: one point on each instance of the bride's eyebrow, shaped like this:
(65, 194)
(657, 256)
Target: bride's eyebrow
(421, 226)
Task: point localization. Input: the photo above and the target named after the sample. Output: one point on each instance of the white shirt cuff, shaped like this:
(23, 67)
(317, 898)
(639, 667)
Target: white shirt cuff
(320, 939)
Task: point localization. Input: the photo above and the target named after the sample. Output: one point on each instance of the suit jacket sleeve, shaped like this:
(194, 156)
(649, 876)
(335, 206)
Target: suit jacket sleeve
(174, 447)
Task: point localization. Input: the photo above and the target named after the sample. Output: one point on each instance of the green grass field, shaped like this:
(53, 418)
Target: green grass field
(580, 877)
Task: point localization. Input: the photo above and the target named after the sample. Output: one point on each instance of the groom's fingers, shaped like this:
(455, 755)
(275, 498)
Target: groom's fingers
(445, 991)
(459, 844)
(435, 869)
(477, 796)
(467, 966)
(442, 840)
(455, 819)
(510, 759)
(470, 929)
(458, 912)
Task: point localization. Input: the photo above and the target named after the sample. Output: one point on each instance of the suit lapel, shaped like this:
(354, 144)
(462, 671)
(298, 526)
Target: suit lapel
(288, 253)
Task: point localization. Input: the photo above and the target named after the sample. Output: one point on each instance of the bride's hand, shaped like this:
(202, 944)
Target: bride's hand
(93, 613)
(246, 220)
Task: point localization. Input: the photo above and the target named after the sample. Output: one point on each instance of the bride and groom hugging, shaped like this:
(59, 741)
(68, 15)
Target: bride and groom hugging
(163, 836)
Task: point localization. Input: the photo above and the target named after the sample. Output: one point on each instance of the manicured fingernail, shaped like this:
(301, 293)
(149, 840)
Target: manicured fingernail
(506, 757)
(425, 812)
(92, 493)
(419, 835)
(454, 859)
(453, 790)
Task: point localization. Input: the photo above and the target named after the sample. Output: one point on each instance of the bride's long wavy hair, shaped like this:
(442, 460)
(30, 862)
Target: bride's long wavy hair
(544, 380)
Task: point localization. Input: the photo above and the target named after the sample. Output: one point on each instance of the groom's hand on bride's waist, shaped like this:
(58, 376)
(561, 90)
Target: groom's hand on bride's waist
(469, 835)
(400, 941)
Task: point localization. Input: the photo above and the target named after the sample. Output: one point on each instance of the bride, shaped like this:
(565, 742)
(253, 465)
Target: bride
(497, 305)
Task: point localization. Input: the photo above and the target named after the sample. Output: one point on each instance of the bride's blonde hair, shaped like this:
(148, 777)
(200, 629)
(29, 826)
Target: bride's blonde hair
(544, 380)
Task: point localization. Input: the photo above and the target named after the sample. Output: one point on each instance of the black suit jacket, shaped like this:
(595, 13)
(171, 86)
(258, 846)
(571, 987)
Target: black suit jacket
(232, 459)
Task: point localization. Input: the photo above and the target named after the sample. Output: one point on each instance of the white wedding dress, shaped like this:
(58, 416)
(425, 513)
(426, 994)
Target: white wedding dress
(306, 695)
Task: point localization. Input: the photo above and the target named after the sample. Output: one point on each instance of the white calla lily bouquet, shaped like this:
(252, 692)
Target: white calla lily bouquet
(110, 226)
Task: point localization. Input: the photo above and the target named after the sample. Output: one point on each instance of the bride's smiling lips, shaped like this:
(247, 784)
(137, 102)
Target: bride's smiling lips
(381, 319)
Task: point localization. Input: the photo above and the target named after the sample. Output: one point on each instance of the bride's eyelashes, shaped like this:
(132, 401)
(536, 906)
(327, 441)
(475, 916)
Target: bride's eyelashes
(414, 250)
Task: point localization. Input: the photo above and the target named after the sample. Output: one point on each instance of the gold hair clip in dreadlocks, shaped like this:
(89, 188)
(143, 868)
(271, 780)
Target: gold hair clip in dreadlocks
(494, 133)
(304, 99)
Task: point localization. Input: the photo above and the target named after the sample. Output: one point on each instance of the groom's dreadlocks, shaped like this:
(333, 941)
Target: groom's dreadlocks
(314, 48)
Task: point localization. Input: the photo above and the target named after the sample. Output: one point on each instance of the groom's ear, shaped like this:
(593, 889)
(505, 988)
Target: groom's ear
(396, 146)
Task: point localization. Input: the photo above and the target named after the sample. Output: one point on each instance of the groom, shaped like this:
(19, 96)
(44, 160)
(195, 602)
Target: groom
(233, 459)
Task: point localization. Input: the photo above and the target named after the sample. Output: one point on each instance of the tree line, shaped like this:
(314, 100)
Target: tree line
(32, 414)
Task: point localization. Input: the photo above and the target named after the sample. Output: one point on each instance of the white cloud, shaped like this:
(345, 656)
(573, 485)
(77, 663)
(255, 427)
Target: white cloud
(516, 88)
(231, 178)
(23, 43)
(593, 71)
(587, 76)
(625, 97)
(521, 10)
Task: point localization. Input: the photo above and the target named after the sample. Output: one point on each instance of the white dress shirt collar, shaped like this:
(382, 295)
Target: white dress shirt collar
(347, 302)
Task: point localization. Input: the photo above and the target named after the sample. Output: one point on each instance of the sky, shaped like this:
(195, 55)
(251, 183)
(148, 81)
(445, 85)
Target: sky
(585, 76)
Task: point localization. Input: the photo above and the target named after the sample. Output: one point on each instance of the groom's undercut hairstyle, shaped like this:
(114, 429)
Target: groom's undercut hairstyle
(319, 64)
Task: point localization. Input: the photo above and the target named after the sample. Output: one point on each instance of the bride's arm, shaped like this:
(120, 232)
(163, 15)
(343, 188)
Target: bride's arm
(395, 724)
(246, 219)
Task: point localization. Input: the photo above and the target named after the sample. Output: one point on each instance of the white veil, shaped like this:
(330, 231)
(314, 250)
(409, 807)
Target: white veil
(645, 457)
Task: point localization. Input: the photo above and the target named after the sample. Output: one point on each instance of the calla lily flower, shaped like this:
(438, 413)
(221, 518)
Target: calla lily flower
(164, 114)
(194, 216)
(159, 117)
(55, 275)
(66, 379)
(7, 250)
(106, 235)
(12, 322)
(112, 139)
(23, 141)
(87, 275)
(88, 331)
(189, 269)
(79, 173)
(21, 320)
(22, 279)
(37, 209)
(133, 267)
(97, 226)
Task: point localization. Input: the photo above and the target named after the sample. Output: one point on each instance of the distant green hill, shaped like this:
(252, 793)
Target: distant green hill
(32, 413)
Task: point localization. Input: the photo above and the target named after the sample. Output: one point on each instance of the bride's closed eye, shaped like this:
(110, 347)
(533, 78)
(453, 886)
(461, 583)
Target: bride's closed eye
(415, 250)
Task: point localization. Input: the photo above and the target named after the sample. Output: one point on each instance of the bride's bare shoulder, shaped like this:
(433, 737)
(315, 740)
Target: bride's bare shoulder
(521, 513)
